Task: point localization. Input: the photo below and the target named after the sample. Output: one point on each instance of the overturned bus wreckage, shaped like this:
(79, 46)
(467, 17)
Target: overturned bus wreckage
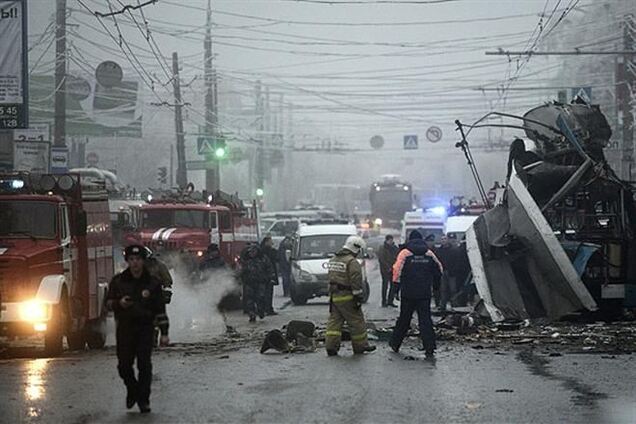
(561, 238)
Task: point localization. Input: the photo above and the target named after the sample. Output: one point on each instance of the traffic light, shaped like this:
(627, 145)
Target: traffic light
(260, 192)
(162, 175)
(213, 148)
(219, 152)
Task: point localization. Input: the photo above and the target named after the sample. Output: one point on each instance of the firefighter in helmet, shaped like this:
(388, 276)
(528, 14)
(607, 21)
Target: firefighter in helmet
(159, 272)
(345, 299)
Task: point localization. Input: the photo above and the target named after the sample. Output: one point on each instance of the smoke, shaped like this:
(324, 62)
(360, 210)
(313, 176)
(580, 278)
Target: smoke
(194, 310)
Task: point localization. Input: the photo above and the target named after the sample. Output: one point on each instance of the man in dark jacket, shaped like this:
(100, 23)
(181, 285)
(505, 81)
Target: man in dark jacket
(284, 264)
(138, 303)
(267, 246)
(256, 274)
(387, 254)
(415, 270)
(212, 259)
(448, 256)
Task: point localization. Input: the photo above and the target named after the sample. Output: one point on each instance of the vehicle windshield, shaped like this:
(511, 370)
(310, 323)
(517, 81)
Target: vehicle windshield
(283, 228)
(266, 223)
(164, 218)
(320, 247)
(25, 218)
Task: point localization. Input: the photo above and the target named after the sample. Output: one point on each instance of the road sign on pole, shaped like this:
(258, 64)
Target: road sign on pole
(59, 160)
(434, 134)
(410, 142)
(583, 92)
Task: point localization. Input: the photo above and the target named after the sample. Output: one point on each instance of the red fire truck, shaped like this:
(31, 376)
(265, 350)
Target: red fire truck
(180, 223)
(55, 259)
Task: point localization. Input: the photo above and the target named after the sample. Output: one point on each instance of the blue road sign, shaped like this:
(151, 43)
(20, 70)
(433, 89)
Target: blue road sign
(410, 142)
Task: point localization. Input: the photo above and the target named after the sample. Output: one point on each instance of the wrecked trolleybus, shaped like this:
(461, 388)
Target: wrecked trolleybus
(561, 240)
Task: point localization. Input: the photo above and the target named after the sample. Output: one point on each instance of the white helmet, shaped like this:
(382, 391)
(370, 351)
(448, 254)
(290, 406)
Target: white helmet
(355, 244)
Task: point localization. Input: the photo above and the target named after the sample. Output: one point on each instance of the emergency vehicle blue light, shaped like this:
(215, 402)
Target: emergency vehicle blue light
(438, 210)
(17, 184)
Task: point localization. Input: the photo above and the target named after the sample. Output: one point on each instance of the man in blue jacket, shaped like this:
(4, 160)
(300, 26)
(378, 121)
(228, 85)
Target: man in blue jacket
(414, 271)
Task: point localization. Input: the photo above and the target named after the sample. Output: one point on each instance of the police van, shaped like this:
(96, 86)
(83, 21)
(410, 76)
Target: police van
(312, 247)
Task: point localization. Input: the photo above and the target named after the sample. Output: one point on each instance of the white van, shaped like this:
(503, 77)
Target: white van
(429, 222)
(313, 246)
(458, 225)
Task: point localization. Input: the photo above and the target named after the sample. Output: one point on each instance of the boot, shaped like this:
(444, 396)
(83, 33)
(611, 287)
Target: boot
(394, 347)
(332, 352)
(131, 398)
(367, 348)
(144, 407)
(252, 318)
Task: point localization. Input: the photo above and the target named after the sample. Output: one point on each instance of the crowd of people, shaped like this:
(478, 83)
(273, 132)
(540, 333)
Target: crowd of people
(415, 273)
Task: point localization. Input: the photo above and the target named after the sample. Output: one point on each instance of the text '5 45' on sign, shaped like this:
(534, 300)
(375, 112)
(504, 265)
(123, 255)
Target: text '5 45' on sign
(13, 65)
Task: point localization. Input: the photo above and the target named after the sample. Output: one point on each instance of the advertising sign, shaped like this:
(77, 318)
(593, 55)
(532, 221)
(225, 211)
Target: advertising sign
(92, 109)
(13, 64)
(31, 149)
(32, 156)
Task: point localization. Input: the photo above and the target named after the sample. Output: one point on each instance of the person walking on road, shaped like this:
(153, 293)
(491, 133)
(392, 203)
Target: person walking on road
(270, 252)
(138, 303)
(415, 270)
(345, 299)
(387, 254)
(284, 264)
(448, 256)
(256, 275)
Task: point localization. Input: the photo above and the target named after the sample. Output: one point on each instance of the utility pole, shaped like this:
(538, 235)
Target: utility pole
(212, 174)
(288, 172)
(182, 176)
(267, 139)
(172, 165)
(259, 168)
(625, 94)
(59, 135)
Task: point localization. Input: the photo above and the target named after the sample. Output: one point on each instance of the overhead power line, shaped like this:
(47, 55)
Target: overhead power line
(575, 52)
(352, 24)
(347, 2)
(125, 8)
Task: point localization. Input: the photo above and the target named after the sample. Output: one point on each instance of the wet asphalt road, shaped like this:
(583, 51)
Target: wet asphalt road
(207, 379)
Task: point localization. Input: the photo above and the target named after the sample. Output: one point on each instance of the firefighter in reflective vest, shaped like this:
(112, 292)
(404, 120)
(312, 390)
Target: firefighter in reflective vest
(345, 299)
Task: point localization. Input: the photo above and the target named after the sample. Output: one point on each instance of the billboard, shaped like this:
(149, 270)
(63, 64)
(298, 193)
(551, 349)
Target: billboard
(92, 110)
(31, 149)
(13, 64)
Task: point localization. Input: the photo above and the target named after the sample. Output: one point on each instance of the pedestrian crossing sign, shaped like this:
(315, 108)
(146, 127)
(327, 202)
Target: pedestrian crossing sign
(410, 142)
(205, 145)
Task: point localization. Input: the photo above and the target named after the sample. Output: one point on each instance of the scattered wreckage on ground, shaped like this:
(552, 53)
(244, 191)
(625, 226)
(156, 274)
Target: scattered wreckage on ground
(560, 239)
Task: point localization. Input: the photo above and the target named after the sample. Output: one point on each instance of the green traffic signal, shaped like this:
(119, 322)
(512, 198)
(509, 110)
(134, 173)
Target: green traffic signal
(219, 152)
(260, 192)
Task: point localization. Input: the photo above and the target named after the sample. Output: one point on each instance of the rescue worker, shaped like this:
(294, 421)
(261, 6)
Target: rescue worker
(345, 299)
(267, 246)
(284, 264)
(137, 301)
(448, 255)
(256, 274)
(212, 259)
(387, 254)
(159, 272)
(415, 270)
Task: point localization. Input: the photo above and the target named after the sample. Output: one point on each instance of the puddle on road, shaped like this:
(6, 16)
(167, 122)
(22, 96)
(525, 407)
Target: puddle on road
(584, 395)
(35, 381)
